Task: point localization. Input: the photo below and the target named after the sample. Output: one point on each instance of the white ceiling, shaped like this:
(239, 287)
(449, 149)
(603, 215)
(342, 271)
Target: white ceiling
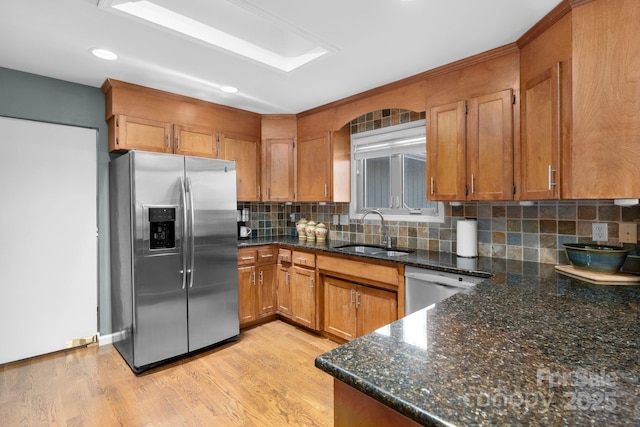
(370, 43)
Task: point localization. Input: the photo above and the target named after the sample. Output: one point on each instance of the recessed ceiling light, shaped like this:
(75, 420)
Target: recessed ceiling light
(104, 54)
(229, 89)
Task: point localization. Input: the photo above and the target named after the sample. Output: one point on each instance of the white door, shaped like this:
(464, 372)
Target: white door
(48, 244)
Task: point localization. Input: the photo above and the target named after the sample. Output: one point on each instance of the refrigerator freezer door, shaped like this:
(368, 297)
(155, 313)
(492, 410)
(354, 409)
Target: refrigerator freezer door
(213, 281)
(160, 317)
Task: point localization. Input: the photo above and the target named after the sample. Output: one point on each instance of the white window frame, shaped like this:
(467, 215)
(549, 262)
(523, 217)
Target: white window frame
(398, 139)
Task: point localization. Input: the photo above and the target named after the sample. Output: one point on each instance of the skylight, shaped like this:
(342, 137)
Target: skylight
(169, 19)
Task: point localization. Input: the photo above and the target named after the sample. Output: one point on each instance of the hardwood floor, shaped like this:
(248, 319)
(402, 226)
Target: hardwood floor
(266, 378)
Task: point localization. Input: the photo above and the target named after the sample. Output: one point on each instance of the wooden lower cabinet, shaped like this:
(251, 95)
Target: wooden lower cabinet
(357, 303)
(256, 283)
(284, 290)
(267, 298)
(354, 408)
(303, 293)
(352, 310)
(247, 294)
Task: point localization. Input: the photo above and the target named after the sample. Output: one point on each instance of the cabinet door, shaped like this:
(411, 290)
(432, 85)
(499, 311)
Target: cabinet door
(376, 308)
(340, 308)
(279, 170)
(446, 152)
(245, 152)
(304, 297)
(131, 133)
(267, 290)
(605, 147)
(490, 147)
(195, 141)
(247, 294)
(314, 168)
(284, 290)
(540, 136)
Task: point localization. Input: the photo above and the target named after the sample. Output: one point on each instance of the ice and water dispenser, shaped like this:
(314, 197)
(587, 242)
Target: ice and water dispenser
(162, 228)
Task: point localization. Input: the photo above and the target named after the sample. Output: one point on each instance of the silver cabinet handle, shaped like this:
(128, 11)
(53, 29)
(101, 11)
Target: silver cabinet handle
(266, 256)
(178, 142)
(259, 192)
(473, 186)
(357, 299)
(261, 279)
(550, 174)
(326, 190)
(432, 186)
(352, 295)
(253, 278)
(286, 278)
(168, 140)
(311, 282)
(247, 258)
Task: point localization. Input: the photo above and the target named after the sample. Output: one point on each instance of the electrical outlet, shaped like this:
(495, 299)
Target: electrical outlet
(628, 232)
(599, 232)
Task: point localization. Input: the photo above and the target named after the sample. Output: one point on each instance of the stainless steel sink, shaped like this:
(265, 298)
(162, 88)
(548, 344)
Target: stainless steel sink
(396, 253)
(373, 250)
(361, 249)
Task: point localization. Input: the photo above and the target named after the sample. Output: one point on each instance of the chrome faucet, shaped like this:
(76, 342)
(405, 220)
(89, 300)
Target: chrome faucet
(386, 239)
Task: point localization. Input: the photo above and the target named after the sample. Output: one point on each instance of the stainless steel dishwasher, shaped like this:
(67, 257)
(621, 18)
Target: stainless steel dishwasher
(424, 287)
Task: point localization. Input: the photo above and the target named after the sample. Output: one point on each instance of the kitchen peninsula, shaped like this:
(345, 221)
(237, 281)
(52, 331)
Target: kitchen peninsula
(528, 346)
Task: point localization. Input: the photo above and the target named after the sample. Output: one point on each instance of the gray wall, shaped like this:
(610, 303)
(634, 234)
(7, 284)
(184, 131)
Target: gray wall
(33, 97)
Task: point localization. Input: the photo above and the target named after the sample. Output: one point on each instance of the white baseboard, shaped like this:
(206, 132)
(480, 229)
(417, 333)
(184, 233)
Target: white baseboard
(105, 339)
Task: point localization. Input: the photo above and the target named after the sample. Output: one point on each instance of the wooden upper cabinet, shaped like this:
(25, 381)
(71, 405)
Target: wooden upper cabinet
(490, 147)
(540, 136)
(323, 168)
(545, 109)
(196, 141)
(133, 133)
(147, 119)
(470, 149)
(278, 172)
(279, 134)
(446, 152)
(605, 148)
(246, 152)
(314, 168)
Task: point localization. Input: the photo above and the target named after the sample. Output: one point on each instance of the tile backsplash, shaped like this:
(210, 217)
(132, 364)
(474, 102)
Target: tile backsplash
(505, 229)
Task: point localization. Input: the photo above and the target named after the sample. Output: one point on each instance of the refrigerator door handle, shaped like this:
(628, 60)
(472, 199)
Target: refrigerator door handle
(183, 193)
(190, 232)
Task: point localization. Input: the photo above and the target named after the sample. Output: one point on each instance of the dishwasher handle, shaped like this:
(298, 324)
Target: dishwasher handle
(444, 279)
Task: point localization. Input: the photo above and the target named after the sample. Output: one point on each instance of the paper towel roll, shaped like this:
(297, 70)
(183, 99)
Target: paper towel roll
(467, 244)
(466, 263)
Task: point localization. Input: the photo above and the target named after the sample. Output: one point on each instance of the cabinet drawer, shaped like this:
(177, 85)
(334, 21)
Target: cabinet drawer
(304, 259)
(267, 255)
(247, 256)
(361, 270)
(284, 256)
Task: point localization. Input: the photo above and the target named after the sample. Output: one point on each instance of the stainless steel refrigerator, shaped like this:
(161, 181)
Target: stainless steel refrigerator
(173, 255)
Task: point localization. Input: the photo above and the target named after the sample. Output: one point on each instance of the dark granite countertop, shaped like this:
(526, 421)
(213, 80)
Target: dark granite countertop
(527, 346)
